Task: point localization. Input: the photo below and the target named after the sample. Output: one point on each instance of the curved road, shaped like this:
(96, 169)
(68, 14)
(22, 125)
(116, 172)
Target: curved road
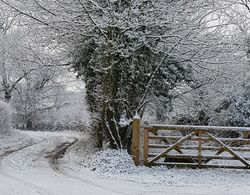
(34, 169)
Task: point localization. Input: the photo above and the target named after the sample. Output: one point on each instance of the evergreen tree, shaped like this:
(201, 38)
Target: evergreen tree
(127, 70)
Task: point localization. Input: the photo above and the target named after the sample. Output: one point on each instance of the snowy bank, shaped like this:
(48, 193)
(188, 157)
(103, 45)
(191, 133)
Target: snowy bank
(117, 164)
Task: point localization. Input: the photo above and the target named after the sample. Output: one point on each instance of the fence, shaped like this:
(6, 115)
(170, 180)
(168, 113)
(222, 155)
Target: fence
(193, 146)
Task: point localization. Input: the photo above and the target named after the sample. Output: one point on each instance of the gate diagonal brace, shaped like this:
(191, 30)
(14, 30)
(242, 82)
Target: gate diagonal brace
(154, 131)
(220, 151)
(172, 147)
(228, 149)
(177, 149)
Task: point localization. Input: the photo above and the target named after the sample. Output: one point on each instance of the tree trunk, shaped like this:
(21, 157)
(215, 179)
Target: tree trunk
(7, 96)
(99, 141)
(29, 124)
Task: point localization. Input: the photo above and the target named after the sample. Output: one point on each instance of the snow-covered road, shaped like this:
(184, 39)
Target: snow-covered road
(30, 166)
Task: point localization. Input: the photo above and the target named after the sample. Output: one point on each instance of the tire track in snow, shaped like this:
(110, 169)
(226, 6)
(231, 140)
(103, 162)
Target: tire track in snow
(35, 189)
(58, 153)
(9, 152)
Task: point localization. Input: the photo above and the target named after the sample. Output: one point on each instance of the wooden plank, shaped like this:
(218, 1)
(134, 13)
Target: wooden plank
(135, 140)
(230, 150)
(175, 164)
(195, 165)
(239, 140)
(199, 149)
(165, 137)
(194, 147)
(194, 127)
(204, 157)
(172, 147)
(145, 150)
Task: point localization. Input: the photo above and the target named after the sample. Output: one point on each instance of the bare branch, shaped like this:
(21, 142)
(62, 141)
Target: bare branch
(45, 9)
(23, 13)
(92, 20)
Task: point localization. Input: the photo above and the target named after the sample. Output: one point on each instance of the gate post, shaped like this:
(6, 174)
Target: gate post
(135, 152)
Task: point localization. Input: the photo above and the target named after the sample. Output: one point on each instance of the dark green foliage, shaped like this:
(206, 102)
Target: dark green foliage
(124, 73)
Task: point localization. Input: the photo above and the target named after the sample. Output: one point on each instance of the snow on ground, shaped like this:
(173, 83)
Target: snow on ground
(13, 139)
(117, 164)
(31, 163)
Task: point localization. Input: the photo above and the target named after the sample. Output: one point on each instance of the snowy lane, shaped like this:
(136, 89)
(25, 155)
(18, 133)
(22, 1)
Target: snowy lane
(58, 152)
(26, 170)
(18, 186)
(92, 185)
(34, 169)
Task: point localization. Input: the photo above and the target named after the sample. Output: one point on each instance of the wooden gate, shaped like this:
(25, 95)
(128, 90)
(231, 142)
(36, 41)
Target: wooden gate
(193, 146)
(196, 146)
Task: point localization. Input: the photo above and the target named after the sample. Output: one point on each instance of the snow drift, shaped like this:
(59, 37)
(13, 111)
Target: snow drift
(5, 117)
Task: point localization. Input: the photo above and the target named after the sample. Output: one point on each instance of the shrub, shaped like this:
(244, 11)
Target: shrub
(5, 117)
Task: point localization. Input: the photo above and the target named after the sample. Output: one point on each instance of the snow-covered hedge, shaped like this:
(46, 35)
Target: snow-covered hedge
(5, 117)
(233, 112)
(109, 161)
(73, 117)
(106, 161)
